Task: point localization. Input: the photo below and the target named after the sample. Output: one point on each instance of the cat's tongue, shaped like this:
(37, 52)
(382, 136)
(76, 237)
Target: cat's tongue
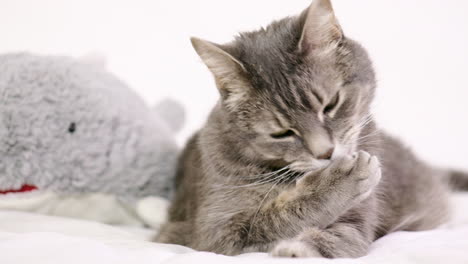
(24, 188)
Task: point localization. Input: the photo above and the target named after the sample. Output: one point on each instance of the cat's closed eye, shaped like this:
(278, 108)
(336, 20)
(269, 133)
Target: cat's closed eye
(332, 104)
(283, 134)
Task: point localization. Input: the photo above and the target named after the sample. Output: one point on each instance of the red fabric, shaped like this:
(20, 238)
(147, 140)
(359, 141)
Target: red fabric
(24, 188)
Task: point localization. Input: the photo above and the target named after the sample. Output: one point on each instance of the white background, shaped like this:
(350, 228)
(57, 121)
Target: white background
(420, 49)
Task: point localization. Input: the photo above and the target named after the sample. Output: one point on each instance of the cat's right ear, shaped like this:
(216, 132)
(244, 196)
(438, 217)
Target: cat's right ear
(216, 59)
(225, 68)
(321, 32)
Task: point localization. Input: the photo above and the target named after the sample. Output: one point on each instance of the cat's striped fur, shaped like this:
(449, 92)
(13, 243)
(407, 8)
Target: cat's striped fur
(290, 160)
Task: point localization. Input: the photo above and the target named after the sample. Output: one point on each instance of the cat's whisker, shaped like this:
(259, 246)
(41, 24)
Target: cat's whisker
(369, 142)
(266, 174)
(269, 180)
(357, 129)
(352, 132)
(261, 177)
(374, 135)
(252, 222)
(370, 134)
(367, 120)
(364, 122)
(369, 139)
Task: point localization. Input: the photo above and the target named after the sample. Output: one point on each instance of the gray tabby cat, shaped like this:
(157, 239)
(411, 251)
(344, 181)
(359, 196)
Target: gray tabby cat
(290, 160)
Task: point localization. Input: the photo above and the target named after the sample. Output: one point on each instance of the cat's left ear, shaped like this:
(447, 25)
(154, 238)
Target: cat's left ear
(321, 32)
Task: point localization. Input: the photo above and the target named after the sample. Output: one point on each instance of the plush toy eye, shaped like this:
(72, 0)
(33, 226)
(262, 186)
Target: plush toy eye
(72, 128)
(283, 134)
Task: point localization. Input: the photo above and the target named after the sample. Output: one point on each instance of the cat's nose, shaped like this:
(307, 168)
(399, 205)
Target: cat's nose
(319, 143)
(327, 154)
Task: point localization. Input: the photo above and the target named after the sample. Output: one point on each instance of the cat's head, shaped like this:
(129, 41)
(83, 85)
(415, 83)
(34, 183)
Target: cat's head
(295, 93)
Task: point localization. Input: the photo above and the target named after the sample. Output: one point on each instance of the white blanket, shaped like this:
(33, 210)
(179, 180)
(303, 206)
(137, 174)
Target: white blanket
(32, 238)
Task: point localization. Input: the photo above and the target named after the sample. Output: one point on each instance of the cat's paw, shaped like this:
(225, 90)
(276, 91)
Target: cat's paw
(357, 175)
(350, 178)
(295, 249)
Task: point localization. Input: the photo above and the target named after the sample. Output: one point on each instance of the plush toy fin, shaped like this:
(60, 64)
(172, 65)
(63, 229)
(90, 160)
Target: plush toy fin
(172, 112)
(95, 59)
(153, 211)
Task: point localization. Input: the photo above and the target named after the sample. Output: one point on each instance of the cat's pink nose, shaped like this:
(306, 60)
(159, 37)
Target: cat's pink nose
(327, 154)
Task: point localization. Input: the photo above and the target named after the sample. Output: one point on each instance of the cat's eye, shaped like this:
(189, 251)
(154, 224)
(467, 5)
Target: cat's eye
(332, 105)
(283, 134)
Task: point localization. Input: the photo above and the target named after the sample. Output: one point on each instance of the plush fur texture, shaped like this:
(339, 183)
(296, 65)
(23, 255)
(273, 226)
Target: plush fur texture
(71, 127)
(290, 160)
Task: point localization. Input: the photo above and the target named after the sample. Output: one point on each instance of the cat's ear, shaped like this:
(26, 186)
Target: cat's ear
(226, 69)
(321, 31)
(222, 64)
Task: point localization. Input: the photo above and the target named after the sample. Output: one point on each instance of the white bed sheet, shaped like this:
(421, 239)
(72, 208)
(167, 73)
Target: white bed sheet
(31, 238)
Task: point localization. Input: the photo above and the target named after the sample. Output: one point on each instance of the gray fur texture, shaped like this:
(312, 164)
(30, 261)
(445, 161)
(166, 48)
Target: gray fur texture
(71, 127)
(290, 160)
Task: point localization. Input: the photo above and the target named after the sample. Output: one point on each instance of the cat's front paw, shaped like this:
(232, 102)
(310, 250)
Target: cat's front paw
(295, 249)
(348, 180)
(355, 177)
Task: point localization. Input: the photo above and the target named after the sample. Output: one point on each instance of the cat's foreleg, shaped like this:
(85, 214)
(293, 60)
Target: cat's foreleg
(340, 240)
(175, 233)
(319, 199)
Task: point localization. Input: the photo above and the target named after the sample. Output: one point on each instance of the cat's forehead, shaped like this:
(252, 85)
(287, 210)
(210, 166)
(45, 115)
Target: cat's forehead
(269, 50)
(271, 59)
(291, 81)
(289, 90)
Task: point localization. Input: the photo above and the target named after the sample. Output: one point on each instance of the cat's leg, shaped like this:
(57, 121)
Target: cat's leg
(318, 200)
(341, 240)
(353, 231)
(345, 184)
(175, 233)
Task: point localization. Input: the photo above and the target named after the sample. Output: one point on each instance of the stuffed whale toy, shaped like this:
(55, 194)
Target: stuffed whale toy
(76, 141)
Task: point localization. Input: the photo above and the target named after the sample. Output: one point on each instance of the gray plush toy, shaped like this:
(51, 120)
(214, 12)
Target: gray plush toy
(76, 141)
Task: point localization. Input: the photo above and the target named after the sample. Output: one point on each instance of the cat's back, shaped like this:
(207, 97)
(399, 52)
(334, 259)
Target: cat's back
(413, 194)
